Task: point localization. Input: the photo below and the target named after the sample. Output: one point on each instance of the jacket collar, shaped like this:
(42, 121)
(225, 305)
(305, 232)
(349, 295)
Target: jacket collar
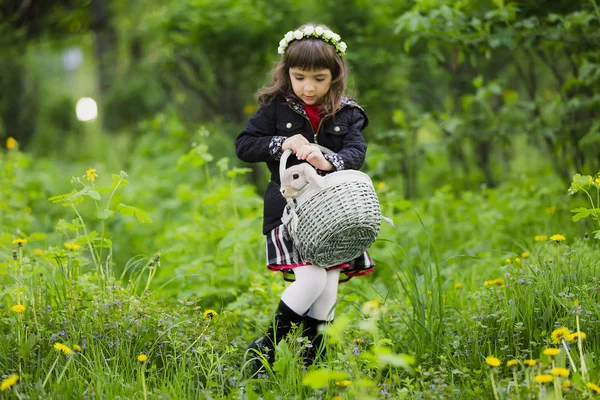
(296, 104)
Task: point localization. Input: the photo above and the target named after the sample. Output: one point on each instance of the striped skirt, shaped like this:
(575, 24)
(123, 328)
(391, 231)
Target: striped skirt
(281, 256)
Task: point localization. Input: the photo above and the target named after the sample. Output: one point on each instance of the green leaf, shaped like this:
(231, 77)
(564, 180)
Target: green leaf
(583, 212)
(93, 194)
(104, 214)
(131, 211)
(385, 356)
(320, 378)
(115, 181)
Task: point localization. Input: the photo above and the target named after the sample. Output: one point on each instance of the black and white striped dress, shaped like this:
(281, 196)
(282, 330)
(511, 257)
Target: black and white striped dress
(281, 256)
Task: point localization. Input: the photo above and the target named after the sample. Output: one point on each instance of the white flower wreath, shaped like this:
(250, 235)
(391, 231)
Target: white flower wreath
(310, 31)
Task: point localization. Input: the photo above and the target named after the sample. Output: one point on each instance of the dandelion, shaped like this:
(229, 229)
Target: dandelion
(545, 378)
(77, 348)
(508, 261)
(142, 358)
(11, 143)
(209, 314)
(566, 384)
(9, 382)
(381, 185)
(61, 347)
(370, 306)
(540, 238)
(560, 334)
(458, 285)
(558, 238)
(593, 387)
(518, 260)
(344, 383)
(39, 252)
(576, 335)
(72, 246)
(512, 363)
(561, 372)
(492, 361)
(358, 340)
(530, 363)
(20, 242)
(551, 352)
(525, 254)
(18, 308)
(91, 175)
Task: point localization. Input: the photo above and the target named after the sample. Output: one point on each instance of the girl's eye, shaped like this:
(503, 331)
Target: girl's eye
(320, 79)
(299, 79)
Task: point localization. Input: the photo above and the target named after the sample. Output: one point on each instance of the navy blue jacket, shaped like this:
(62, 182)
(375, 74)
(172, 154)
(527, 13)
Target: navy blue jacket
(284, 117)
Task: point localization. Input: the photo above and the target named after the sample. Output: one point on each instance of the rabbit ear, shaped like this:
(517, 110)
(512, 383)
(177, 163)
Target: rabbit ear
(313, 177)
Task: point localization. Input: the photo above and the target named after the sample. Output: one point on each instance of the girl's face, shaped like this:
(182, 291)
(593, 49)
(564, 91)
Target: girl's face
(310, 86)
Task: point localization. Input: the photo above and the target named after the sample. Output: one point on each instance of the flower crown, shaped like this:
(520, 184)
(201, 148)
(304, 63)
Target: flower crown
(311, 32)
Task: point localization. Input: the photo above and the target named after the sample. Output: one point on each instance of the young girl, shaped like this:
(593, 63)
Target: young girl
(304, 103)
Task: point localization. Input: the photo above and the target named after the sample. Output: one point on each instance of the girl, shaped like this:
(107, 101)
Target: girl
(304, 103)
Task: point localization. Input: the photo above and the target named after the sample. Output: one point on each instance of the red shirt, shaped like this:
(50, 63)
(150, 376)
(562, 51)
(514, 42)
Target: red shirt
(314, 114)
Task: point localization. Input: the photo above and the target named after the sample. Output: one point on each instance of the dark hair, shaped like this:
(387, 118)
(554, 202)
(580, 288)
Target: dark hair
(308, 54)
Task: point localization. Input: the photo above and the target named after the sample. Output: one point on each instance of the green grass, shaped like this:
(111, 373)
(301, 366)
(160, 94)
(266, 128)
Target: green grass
(443, 297)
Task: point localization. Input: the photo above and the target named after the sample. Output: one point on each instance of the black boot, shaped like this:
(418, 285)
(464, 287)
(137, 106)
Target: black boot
(311, 329)
(285, 319)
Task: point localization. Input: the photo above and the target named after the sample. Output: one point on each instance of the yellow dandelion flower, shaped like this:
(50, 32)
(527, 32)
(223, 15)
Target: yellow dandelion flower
(551, 352)
(358, 340)
(499, 281)
(566, 384)
(518, 260)
(209, 314)
(530, 363)
(492, 361)
(61, 347)
(512, 363)
(381, 185)
(72, 246)
(508, 261)
(77, 348)
(576, 303)
(558, 238)
(18, 308)
(344, 383)
(573, 336)
(90, 174)
(20, 242)
(593, 387)
(11, 143)
(9, 382)
(560, 334)
(429, 292)
(597, 180)
(370, 306)
(525, 254)
(142, 358)
(458, 285)
(540, 238)
(561, 372)
(545, 378)
(39, 252)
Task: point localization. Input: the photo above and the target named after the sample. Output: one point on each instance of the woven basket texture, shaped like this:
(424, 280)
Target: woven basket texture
(338, 223)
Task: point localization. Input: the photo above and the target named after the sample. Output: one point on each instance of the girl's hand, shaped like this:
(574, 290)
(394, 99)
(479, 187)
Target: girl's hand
(294, 142)
(314, 156)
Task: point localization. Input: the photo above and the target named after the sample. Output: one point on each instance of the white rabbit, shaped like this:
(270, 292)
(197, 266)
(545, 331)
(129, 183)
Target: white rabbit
(297, 177)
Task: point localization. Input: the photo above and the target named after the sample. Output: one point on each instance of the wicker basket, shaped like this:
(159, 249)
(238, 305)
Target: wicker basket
(334, 224)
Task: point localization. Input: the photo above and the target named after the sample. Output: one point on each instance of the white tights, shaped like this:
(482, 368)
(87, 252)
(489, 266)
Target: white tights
(314, 290)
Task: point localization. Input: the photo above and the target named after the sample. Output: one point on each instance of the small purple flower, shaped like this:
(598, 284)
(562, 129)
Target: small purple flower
(356, 351)
(111, 344)
(53, 338)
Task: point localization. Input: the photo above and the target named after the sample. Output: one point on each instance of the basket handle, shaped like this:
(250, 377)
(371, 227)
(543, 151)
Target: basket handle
(286, 154)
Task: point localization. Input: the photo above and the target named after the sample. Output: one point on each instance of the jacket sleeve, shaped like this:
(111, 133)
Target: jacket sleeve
(354, 148)
(257, 142)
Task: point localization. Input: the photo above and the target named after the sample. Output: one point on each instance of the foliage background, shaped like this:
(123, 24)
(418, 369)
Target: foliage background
(481, 113)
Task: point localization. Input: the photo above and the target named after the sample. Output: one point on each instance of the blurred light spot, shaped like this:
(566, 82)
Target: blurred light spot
(86, 109)
(72, 58)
